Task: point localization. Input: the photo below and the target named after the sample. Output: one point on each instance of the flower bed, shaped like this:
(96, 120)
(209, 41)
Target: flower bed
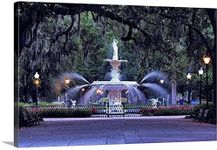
(167, 110)
(29, 116)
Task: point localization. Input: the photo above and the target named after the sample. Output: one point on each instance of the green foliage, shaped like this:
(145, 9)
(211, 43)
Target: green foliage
(134, 106)
(29, 116)
(104, 99)
(167, 110)
(211, 116)
(171, 46)
(40, 104)
(22, 105)
(62, 112)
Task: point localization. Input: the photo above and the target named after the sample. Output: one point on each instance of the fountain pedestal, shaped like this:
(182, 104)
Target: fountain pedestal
(114, 97)
(115, 105)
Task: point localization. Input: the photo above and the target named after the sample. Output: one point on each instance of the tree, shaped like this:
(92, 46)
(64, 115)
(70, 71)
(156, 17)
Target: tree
(55, 38)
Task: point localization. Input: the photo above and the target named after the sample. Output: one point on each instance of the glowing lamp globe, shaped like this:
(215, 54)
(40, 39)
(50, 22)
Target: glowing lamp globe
(36, 75)
(206, 59)
(200, 71)
(189, 76)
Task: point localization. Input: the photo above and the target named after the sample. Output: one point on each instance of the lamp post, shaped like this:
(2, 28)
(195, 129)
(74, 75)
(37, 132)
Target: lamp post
(200, 74)
(189, 87)
(206, 60)
(82, 95)
(37, 83)
(99, 92)
(162, 82)
(67, 81)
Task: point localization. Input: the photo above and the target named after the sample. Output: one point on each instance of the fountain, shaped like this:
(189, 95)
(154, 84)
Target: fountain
(115, 86)
(113, 89)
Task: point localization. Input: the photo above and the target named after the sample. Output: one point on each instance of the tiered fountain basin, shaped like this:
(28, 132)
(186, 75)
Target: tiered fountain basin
(116, 83)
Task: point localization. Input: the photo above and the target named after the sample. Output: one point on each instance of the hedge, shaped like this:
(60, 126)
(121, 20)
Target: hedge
(167, 110)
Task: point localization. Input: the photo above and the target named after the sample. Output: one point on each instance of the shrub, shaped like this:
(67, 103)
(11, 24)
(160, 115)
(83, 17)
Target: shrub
(40, 104)
(166, 110)
(197, 109)
(60, 112)
(134, 106)
(148, 111)
(29, 117)
(94, 110)
(46, 104)
(211, 116)
(22, 105)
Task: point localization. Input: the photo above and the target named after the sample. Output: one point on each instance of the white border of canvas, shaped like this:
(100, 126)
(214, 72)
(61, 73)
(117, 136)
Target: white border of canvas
(6, 74)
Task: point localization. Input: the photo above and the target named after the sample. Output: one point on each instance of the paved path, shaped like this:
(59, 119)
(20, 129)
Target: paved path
(101, 131)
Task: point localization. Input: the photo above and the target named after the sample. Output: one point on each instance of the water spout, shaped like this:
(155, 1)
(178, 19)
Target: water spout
(156, 88)
(153, 75)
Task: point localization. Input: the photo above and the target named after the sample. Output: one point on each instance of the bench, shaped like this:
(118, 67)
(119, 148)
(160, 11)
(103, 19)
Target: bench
(205, 115)
(202, 115)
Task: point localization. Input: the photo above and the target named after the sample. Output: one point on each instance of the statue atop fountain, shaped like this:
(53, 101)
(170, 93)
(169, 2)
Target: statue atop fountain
(115, 49)
(115, 62)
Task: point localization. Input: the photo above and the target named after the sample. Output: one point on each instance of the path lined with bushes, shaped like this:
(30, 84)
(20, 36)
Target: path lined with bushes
(123, 130)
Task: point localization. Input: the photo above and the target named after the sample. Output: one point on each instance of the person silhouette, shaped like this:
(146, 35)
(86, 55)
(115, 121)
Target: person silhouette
(181, 101)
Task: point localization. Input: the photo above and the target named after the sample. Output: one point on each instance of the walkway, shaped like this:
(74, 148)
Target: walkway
(119, 130)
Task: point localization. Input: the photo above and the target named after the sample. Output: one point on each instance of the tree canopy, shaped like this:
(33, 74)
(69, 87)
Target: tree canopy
(56, 38)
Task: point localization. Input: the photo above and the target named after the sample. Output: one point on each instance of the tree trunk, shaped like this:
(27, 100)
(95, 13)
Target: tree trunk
(214, 51)
(173, 93)
(212, 13)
